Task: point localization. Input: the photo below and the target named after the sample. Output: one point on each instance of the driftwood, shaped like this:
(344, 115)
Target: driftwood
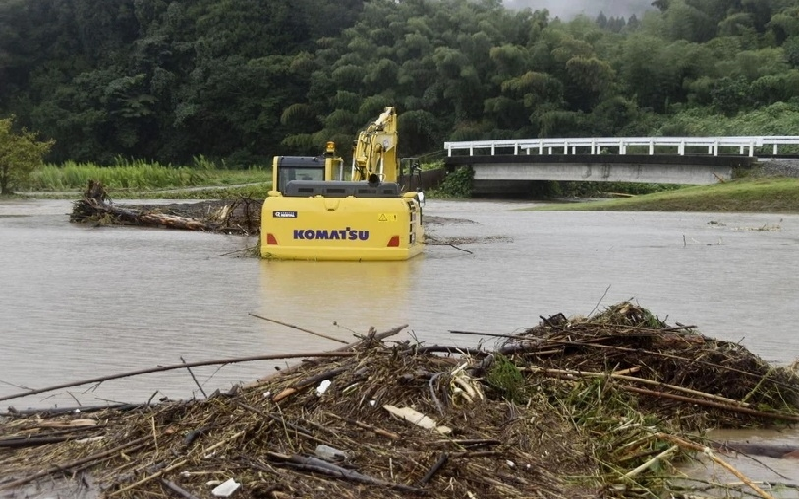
(172, 367)
(235, 216)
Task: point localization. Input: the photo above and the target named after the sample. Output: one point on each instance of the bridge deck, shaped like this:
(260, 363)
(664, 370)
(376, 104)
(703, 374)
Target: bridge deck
(742, 145)
(493, 171)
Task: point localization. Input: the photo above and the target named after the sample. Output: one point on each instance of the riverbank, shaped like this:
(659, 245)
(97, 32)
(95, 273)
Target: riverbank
(763, 195)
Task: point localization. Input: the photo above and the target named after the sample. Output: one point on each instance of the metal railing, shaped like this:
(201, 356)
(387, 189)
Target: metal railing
(620, 145)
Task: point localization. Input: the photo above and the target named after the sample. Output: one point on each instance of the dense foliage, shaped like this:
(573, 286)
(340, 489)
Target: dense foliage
(241, 80)
(20, 154)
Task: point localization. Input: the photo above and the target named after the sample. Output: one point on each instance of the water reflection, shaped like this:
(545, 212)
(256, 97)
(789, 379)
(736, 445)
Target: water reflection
(354, 295)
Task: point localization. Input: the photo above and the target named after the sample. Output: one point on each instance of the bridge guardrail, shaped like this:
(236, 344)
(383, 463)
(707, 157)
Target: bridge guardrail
(745, 144)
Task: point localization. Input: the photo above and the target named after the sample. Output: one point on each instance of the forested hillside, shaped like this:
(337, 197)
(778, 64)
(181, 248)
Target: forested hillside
(241, 80)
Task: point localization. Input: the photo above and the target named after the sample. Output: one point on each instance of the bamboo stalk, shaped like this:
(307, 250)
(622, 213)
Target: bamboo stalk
(710, 403)
(666, 454)
(709, 453)
(635, 380)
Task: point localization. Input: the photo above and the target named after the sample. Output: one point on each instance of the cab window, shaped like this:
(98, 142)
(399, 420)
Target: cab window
(294, 173)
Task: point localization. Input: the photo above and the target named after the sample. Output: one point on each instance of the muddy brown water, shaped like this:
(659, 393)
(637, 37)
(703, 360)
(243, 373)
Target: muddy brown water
(78, 302)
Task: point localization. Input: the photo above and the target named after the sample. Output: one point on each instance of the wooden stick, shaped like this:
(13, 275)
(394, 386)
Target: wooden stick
(177, 366)
(437, 466)
(471, 442)
(300, 328)
(194, 378)
(178, 489)
(372, 336)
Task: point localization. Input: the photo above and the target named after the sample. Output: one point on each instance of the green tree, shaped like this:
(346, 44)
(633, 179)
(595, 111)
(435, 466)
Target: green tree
(20, 154)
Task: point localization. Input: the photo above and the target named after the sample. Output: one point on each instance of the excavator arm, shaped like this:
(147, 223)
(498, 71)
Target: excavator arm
(374, 156)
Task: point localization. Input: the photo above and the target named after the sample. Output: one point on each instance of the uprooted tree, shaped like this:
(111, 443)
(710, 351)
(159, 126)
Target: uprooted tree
(20, 154)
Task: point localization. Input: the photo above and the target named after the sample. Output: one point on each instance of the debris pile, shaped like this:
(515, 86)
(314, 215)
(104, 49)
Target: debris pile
(677, 372)
(581, 407)
(229, 216)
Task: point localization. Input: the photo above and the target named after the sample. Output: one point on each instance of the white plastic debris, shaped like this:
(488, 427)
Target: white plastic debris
(417, 418)
(88, 440)
(226, 488)
(330, 453)
(323, 386)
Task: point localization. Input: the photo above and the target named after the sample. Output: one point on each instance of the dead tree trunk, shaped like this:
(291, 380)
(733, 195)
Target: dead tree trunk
(239, 216)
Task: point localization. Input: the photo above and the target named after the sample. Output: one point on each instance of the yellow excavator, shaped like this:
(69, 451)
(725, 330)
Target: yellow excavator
(312, 213)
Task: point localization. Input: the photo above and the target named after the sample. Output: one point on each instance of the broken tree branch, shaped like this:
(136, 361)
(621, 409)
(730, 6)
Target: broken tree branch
(177, 366)
(292, 326)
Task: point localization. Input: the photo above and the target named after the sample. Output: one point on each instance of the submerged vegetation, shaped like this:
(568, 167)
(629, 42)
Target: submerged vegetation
(580, 407)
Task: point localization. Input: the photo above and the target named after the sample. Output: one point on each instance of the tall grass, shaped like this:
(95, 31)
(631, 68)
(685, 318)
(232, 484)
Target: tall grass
(138, 175)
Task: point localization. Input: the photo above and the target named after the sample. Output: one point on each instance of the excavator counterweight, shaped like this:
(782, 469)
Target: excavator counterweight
(312, 213)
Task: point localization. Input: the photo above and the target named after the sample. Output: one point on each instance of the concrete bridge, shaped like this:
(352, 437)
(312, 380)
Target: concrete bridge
(501, 166)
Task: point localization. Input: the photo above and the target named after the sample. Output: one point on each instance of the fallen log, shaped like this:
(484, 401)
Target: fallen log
(236, 216)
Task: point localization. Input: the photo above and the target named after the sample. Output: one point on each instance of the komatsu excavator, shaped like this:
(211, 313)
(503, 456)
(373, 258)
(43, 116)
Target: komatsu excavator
(312, 213)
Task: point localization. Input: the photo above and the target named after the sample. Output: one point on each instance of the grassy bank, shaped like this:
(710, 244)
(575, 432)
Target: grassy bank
(141, 177)
(760, 195)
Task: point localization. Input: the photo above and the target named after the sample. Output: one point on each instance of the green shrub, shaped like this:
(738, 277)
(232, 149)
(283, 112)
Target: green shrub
(457, 184)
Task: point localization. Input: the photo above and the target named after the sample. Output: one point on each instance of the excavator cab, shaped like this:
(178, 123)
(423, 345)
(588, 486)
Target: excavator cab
(317, 168)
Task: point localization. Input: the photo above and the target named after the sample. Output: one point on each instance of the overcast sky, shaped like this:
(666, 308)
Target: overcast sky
(566, 9)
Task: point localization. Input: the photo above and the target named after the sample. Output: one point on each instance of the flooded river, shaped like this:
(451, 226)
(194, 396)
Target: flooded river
(79, 302)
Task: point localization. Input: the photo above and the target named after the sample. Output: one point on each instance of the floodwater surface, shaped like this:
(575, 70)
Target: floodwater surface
(79, 302)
